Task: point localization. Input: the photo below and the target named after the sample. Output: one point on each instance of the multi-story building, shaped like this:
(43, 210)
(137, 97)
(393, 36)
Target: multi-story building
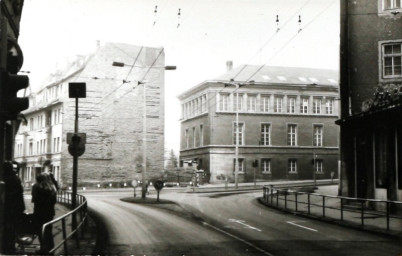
(111, 115)
(370, 89)
(286, 124)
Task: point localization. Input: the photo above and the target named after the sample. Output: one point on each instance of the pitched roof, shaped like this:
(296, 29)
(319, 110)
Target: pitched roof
(282, 75)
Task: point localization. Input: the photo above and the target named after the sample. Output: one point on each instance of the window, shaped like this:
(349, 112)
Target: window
(266, 166)
(291, 104)
(317, 106)
(392, 55)
(240, 165)
(329, 106)
(239, 102)
(194, 137)
(264, 104)
(224, 102)
(238, 133)
(317, 135)
(186, 138)
(30, 148)
(292, 166)
(392, 4)
(204, 103)
(265, 134)
(292, 135)
(251, 103)
(304, 106)
(31, 124)
(318, 166)
(201, 135)
(278, 101)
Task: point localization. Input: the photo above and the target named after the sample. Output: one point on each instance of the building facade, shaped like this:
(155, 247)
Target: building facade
(370, 89)
(286, 126)
(111, 115)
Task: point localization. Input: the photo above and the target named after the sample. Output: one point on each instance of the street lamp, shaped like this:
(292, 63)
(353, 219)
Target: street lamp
(237, 85)
(121, 64)
(144, 127)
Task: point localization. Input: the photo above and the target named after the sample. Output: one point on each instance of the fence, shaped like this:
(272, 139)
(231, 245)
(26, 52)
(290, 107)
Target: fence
(365, 213)
(70, 223)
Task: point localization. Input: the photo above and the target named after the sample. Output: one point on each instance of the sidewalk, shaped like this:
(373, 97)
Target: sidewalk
(86, 243)
(329, 209)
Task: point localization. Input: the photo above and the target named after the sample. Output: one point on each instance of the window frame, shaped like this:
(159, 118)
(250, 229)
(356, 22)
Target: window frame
(317, 105)
(318, 139)
(264, 134)
(241, 167)
(394, 9)
(303, 107)
(292, 166)
(329, 106)
(241, 133)
(278, 103)
(291, 106)
(251, 103)
(265, 101)
(319, 166)
(381, 52)
(291, 136)
(263, 166)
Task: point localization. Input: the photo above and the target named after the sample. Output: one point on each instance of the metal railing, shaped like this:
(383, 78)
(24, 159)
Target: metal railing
(365, 213)
(70, 223)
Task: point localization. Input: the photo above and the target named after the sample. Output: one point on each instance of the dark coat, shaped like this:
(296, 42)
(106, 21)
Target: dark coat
(14, 199)
(44, 201)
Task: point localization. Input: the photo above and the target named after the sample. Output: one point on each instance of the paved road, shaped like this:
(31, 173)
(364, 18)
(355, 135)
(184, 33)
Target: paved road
(143, 230)
(232, 224)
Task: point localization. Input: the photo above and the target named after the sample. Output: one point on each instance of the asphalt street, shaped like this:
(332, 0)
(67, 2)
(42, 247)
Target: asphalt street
(224, 224)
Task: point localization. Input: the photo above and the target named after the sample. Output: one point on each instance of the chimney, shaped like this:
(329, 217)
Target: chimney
(229, 65)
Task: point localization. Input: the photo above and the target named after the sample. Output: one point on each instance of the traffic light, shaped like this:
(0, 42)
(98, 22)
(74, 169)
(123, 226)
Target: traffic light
(11, 83)
(11, 105)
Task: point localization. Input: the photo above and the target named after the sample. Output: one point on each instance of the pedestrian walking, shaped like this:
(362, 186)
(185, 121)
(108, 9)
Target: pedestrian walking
(44, 199)
(14, 206)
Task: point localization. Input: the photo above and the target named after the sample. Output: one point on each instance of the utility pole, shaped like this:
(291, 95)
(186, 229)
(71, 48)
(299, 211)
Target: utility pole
(237, 139)
(144, 143)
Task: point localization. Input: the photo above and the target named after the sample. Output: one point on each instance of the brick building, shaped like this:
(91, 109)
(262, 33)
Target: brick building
(286, 124)
(111, 115)
(371, 109)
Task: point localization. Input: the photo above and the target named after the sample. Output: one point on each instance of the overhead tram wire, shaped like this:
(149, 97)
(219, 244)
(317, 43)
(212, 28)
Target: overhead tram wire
(142, 79)
(291, 39)
(124, 82)
(260, 49)
(272, 37)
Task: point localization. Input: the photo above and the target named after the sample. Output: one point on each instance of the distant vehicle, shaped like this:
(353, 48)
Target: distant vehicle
(170, 184)
(186, 183)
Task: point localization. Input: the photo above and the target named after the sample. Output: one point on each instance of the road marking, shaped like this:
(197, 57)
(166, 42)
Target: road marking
(242, 222)
(238, 238)
(300, 226)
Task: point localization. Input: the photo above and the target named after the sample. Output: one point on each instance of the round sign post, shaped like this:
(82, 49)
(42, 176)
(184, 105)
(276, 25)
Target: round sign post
(134, 183)
(158, 185)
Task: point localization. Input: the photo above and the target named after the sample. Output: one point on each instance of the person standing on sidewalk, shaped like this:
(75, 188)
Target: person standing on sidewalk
(14, 206)
(44, 199)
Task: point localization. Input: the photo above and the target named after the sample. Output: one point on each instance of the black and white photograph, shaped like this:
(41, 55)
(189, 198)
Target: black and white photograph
(201, 127)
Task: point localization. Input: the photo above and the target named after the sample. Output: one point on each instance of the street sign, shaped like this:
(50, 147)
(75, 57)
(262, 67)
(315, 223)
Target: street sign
(77, 90)
(134, 183)
(79, 150)
(158, 185)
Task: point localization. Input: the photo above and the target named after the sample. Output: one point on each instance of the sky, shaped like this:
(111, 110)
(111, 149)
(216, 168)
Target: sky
(199, 41)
